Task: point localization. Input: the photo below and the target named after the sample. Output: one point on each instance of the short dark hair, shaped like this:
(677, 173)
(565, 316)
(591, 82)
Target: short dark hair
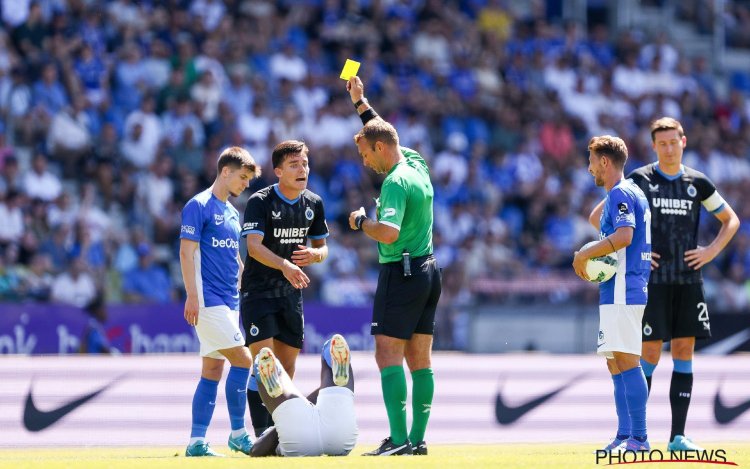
(286, 148)
(666, 123)
(613, 148)
(378, 130)
(236, 158)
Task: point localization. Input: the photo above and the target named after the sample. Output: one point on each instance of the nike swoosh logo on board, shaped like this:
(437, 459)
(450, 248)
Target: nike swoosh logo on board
(36, 420)
(725, 414)
(506, 414)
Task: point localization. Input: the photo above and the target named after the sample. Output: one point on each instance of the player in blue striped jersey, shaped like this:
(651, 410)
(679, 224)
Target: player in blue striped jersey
(211, 266)
(624, 229)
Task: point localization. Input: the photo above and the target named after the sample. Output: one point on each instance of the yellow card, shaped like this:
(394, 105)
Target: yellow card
(350, 69)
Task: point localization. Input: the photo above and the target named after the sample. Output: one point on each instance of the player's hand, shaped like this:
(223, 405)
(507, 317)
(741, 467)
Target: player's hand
(305, 256)
(654, 258)
(579, 265)
(355, 88)
(191, 310)
(353, 217)
(698, 257)
(294, 274)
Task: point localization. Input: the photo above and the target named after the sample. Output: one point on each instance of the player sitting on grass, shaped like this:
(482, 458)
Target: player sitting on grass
(322, 423)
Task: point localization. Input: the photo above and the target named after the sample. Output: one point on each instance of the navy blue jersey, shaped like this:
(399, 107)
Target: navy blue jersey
(284, 224)
(215, 225)
(626, 205)
(676, 208)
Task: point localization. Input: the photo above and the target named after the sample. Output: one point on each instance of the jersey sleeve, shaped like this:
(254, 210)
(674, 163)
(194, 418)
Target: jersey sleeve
(319, 227)
(638, 179)
(192, 221)
(255, 217)
(392, 204)
(621, 208)
(710, 197)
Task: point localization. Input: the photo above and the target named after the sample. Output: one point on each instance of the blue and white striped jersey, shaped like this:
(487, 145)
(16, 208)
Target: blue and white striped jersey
(626, 205)
(215, 225)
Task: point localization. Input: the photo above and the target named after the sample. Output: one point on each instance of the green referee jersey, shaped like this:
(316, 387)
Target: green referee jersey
(405, 203)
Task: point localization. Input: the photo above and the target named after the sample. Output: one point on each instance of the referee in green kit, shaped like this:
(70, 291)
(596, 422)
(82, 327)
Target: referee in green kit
(409, 284)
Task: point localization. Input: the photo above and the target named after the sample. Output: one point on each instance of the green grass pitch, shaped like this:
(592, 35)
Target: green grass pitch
(524, 456)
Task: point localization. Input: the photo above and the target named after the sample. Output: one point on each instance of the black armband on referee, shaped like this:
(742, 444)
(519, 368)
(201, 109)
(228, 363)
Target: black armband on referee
(359, 220)
(368, 115)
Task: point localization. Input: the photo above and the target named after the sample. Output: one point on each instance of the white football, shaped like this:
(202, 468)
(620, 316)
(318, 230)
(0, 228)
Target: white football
(600, 269)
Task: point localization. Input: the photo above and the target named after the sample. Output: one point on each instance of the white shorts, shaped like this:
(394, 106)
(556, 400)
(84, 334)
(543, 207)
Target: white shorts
(328, 427)
(619, 329)
(218, 328)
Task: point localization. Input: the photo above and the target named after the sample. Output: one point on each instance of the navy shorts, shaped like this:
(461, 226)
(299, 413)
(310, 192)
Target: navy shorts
(278, 318)
(675, 311)
(406, 305)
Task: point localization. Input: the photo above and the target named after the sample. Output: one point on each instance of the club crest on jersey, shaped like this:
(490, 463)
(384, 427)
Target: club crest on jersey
(309, 214)
(692, 191)
(276, 215)
(254, 330)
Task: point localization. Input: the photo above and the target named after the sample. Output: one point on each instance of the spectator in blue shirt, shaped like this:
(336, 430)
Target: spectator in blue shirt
(147, 283)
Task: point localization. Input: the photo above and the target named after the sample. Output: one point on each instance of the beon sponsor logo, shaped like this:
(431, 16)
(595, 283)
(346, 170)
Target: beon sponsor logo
(225, 243)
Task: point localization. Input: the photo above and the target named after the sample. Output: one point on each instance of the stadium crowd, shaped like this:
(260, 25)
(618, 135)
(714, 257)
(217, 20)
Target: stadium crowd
(112, 115)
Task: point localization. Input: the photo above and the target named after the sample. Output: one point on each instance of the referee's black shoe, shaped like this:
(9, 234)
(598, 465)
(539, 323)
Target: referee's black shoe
(387, 448)
(420, 449)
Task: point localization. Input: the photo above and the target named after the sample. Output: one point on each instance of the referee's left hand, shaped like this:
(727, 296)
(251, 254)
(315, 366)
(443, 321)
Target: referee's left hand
(353, 217)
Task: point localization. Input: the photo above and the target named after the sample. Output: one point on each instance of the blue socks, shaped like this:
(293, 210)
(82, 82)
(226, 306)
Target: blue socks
(636, 394)
(648, 368)
(621, 404)
(682, 366)
(204, 401)
(236, 394)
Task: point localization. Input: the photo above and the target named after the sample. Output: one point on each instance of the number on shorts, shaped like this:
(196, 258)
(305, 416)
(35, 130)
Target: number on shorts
(702, 311)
